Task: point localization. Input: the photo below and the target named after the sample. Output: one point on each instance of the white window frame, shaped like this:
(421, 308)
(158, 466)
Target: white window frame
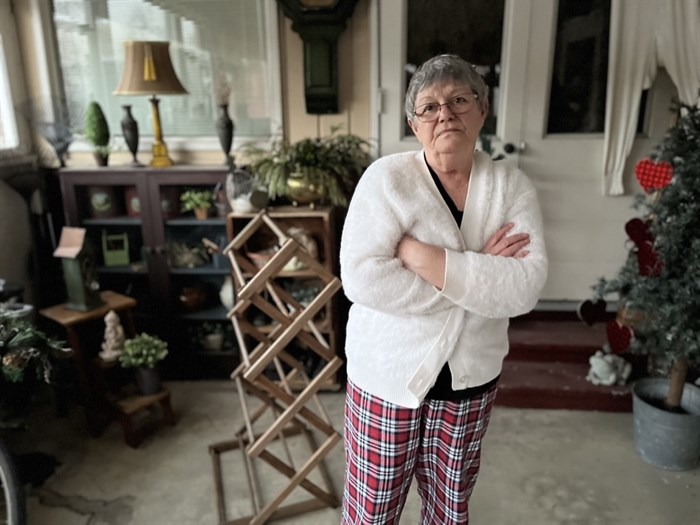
(202, 143)
(19, 155)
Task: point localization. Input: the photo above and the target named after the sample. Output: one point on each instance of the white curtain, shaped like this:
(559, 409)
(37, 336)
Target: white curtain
(645, 35)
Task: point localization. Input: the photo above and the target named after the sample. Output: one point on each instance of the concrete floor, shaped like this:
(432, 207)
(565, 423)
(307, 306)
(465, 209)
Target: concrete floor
(539, 467)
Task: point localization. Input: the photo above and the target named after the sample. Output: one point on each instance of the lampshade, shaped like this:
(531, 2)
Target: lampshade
(148, 70)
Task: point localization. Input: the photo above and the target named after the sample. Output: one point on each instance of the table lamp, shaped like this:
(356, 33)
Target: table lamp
(149, 71)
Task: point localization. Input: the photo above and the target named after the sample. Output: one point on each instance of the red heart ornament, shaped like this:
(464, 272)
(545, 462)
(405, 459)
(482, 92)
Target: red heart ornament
(591, 312)
(619, 337)
(648, 260)
(652, 175)
(639, 231)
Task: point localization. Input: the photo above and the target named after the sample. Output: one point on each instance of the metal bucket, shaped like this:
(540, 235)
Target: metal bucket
(664, 439)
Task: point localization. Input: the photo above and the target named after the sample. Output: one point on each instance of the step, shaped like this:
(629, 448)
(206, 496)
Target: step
(557, 385)
(547, 364)
(560, 341)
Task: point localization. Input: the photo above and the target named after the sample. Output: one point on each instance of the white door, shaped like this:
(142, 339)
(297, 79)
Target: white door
(584, 229)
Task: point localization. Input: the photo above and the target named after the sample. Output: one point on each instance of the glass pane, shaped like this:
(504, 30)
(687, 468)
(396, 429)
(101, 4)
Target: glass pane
(472, 29)
(218, 49)
(580, 71)
(8, 122)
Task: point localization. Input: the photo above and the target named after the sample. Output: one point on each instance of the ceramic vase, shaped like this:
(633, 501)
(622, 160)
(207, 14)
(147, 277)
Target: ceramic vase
(132, 201)
(240, 188)
(130, 129)
(103, 202)
(148, 380)
(224, 128)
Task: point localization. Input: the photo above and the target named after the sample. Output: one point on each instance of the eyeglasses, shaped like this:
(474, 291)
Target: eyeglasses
(458, 105)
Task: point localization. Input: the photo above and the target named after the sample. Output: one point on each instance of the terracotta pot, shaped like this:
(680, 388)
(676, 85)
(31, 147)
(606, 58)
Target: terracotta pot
(201, 213)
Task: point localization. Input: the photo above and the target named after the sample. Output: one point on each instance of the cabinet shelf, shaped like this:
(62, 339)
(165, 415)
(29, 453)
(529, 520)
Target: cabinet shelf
(138, 268)
(297, 274)
(323, 326)
(216, 313)
(193, 221)
(113, 221)
(206, 269)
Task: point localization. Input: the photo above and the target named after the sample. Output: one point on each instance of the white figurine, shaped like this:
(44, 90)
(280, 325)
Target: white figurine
(307, 242)
(114, 337)
(608, 369)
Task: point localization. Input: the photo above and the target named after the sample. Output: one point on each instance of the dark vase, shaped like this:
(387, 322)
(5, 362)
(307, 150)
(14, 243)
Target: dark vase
(148, 380)
(130, 129)
(224, 128)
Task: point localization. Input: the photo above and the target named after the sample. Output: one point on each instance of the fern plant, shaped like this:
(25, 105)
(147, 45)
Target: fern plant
(333, 164)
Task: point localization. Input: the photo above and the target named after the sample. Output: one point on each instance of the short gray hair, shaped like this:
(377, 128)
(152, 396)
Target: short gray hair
(440, 69)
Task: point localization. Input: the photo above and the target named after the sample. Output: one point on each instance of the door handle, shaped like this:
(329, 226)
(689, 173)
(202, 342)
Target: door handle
(510, 148)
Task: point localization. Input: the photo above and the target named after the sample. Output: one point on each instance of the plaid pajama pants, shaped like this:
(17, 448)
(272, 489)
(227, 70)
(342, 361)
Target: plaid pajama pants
(386, 444)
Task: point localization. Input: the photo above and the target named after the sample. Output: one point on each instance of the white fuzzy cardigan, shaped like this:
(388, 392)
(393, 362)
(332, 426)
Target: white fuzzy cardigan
(401, 330)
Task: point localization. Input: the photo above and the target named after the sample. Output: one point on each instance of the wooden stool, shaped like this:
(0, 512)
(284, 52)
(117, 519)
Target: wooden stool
(130, 406)
(91, 321)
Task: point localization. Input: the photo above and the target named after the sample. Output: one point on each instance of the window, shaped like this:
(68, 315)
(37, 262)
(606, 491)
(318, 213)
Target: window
(9, 138)
(579, 80)
(223, 52)
(13, 139)
(473, 30)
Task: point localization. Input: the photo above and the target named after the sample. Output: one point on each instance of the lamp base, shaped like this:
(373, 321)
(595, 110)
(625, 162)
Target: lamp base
(160, 156)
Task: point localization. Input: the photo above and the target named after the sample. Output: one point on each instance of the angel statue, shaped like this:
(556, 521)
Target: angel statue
(113, 343)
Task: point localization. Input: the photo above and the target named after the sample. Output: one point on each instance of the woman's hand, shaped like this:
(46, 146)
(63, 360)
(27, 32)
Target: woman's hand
(506, 245)
(426, 260)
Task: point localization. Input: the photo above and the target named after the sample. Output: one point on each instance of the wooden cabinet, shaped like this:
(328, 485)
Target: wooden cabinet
(316, 229)
(145, 248)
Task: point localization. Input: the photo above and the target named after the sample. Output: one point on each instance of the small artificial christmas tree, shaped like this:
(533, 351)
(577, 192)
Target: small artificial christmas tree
(658, 288)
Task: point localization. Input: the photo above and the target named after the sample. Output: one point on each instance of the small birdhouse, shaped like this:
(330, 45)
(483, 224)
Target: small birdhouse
(79, 271)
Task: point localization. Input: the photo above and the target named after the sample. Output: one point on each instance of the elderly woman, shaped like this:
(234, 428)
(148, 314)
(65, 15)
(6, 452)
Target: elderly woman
(439, 248)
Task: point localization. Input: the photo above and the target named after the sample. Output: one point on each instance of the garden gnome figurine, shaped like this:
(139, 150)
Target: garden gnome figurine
(114, 337)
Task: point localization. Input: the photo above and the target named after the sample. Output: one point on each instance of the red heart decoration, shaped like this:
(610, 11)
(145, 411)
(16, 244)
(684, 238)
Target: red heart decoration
(639, 231)
(591, 312)
(652, 175)
(619, 337)
(648, 260)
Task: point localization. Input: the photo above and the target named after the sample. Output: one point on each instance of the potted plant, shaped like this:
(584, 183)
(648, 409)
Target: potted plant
(97, 133)
(26, 355)
(198, 201)
(143, 353)
(658, 293)
(311, 170)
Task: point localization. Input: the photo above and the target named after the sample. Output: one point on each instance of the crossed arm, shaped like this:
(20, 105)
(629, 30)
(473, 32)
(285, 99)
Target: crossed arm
(428, 261)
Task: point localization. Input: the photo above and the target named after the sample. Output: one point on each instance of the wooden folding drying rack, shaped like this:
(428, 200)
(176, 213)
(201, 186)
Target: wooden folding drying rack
(295, 412)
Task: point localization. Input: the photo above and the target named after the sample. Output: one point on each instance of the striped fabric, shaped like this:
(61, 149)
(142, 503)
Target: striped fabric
(386, 444)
